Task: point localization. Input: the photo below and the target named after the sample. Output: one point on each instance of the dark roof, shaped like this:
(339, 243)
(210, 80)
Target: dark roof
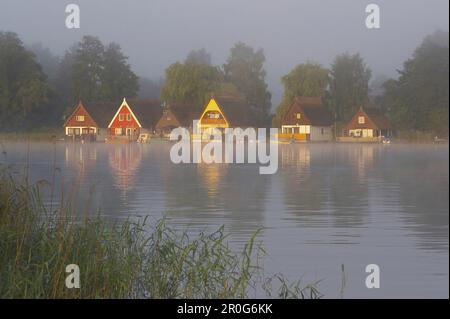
(147, 112)
(183, 112)
(316, 114)
(101, 112)
(377, 118)
(237, 111)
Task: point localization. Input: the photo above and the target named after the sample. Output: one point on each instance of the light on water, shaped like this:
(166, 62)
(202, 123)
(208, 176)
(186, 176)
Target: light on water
(328, 205)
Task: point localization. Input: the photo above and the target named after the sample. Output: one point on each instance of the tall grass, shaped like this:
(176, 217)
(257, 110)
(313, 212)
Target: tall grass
(119, 260)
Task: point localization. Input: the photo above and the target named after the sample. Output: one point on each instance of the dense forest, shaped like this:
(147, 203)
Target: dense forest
(38, 89)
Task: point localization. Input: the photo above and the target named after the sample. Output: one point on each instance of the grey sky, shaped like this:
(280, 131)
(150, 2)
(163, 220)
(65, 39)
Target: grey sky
(156, 33)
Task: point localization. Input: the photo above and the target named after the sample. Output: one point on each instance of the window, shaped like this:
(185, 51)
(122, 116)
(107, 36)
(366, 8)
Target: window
(118, 131)
(128, 117)
(70, 131)
(213, 115)
(361, 120)
(80, 118)
(321, 130)
(120, 117)
(298, 116)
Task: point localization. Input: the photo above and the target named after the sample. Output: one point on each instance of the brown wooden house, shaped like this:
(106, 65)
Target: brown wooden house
(368, 123)
(174, 115)
(89, 121)
(308, 120)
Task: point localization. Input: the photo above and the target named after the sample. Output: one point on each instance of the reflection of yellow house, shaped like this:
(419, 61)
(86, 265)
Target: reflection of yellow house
(212, 176)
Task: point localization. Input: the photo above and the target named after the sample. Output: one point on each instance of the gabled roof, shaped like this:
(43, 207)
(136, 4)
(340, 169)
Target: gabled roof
(101, 112)
(147, 111)
(183, 113)
(312, 111)
(237, 111)
(377, 118)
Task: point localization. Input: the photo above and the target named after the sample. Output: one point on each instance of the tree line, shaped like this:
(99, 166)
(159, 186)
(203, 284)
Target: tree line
(38, 88)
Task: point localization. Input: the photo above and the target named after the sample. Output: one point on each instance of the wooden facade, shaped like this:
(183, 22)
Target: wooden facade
(134, 117)
(88, 121)
(174, 115)
(307, 120)
(368, 123)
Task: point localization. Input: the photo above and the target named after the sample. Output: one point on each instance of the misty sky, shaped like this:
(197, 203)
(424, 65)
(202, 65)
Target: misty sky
(156, 33)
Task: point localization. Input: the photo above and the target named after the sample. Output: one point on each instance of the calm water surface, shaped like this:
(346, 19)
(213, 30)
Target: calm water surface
(327, 205)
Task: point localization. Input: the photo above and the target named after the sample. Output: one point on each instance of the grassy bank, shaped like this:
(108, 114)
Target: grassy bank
(37, 135)
(412, 136)
(119, 260)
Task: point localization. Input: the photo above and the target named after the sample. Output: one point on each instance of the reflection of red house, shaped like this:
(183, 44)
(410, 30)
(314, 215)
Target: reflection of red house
(124, 161)
(134, 117)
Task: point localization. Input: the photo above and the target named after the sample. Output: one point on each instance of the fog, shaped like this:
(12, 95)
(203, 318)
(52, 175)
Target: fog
(156, 33)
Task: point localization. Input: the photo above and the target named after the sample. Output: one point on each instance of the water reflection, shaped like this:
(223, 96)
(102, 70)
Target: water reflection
(81, 158)
(327, 203)
(124, 160)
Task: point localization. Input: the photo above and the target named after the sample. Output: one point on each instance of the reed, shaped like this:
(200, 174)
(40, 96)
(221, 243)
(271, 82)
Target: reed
(130, 259)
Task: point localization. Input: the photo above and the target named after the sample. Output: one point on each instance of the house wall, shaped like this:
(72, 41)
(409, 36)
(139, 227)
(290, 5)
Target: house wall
(124, 123)
(168, 119)
(353, 124)
(206, 122)
(74, 123)
(321, 134)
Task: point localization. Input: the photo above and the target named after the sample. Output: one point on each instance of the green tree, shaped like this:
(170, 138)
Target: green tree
(419, 99)
(98, 72)
(190, 83)
(117, 78)
(308, 79)
(245, 69)
(23, 86)
(87, 70)
(349, 85)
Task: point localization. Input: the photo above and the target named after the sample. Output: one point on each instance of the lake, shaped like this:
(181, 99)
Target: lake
(328, 205)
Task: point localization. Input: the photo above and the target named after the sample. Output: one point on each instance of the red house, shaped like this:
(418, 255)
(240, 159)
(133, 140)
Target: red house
(134, 117)
(89, 121)
(369, 123)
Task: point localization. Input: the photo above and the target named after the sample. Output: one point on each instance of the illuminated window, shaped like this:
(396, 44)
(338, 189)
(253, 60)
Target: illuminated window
(121, 117)
(80, 118)
(361, 120)
(118, 131)
(298, 116)
(128, 117)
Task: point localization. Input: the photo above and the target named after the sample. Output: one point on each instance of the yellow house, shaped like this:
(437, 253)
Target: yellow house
(212, 117)
(227, 111)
